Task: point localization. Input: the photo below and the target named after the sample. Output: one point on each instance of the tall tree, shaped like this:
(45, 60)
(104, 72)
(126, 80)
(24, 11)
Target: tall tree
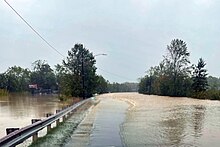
(200, 82)
(43, 75)
(80, 64)
(172, 76)
(177, 61)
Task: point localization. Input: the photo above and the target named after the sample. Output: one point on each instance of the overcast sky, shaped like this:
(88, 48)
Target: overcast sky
(134, 33)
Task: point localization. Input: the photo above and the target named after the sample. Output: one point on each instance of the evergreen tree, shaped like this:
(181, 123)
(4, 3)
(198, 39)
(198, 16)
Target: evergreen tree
(80, 65)
(200, 77)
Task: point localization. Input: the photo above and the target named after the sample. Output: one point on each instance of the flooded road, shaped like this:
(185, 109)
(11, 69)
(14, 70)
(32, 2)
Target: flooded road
(151, 121)
(165, 121)
(127, 119)
(17, 111)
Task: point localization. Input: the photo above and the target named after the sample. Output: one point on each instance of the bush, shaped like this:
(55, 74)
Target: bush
(209, 94)
(3, 92)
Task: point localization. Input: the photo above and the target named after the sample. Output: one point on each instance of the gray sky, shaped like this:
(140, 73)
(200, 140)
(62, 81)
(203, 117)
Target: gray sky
(134, 33)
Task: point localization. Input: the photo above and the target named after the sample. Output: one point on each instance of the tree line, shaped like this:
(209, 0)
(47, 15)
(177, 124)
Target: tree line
(75, 77)
(176, 76)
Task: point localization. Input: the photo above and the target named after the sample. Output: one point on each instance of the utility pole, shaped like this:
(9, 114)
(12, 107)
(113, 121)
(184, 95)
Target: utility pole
(83, 73)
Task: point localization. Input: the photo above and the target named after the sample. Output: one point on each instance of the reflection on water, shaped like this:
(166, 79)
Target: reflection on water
(17, 111)
(165, 121)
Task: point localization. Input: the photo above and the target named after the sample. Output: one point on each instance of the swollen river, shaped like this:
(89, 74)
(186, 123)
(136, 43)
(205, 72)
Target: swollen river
(16, 111)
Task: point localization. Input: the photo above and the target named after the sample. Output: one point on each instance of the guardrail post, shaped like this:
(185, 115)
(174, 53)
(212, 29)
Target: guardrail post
(64, 118)
(49, 126)
(35, 136)
(10, 130)
(57, 111)
(49, 114)
(58, 120)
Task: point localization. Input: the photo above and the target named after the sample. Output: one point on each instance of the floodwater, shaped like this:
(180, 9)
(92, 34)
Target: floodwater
(164, 121)
(17, 111)
(133, 120)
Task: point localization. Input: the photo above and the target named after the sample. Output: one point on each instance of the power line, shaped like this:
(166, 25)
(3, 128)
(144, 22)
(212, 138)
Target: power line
(115, 74)
(34, 30)
(39, 35)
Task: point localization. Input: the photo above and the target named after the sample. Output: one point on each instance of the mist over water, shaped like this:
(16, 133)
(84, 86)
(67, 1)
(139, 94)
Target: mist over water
(165, 121)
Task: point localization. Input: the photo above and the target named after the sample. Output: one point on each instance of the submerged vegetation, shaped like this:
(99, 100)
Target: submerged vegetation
(176, 76)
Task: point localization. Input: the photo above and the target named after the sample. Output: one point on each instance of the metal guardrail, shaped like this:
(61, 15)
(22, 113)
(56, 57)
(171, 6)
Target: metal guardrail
(21, 135)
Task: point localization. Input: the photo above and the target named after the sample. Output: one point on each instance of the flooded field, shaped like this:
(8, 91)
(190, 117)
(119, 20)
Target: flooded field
(17, 111)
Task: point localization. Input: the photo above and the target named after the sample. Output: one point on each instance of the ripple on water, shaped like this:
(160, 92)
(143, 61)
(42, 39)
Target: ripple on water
(165, 121)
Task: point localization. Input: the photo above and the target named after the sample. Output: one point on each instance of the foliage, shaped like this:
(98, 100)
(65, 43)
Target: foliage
(18, 79)
(43, 75)
(172, 76)
(75, 77)
(123, 87)
(200, 82)
(15, 79)
(208, 94)
(213, 83)
(3, 81)
(64, 81)
(102, 85)
(78, 73)
(176, 65)
(3, 92)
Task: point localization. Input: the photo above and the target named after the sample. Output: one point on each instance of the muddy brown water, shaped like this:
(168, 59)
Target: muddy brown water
(17, 111)
(146, 121)
(151, 121)
(166, 121)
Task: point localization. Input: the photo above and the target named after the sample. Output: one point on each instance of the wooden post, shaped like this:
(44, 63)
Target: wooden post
(35, 136)
(10, 130)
